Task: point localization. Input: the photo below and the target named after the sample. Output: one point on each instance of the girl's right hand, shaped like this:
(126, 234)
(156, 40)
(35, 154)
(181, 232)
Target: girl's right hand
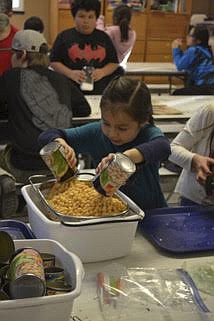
(68, 152)
(104, 163)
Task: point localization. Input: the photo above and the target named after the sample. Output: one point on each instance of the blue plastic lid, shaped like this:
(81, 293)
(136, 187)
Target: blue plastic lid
(180, 229)
(16, 229)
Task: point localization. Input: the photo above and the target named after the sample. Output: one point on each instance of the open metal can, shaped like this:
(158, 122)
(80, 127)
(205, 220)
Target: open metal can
(114, 175)
(53, 155)
(26, 275)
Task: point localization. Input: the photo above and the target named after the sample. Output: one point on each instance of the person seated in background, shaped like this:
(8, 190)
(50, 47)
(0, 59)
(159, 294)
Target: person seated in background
(126, 127)
(85, 46)
(121, 34)
(37, 98)
(197, 61)
(7, 32)
(34, 23)
(193, 150)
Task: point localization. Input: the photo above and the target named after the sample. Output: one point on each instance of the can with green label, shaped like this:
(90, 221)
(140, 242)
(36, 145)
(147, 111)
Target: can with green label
(53, 155)
(26, 275)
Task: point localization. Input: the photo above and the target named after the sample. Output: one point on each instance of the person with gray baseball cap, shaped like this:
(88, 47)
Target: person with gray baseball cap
(37, 98)
(30, 41)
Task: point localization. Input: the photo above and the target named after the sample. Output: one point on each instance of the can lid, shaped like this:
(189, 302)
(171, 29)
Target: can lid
(59, 285)
(7, 247)
(51, 147)
(125, 163)
(27, 286)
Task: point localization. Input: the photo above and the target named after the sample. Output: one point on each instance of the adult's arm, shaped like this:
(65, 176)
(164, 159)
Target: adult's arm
(190, 136)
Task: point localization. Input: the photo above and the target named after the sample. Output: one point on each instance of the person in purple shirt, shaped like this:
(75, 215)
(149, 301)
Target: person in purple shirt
(126, 127)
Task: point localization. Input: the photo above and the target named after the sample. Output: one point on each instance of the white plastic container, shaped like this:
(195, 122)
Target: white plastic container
(55, 307)
(93, 242)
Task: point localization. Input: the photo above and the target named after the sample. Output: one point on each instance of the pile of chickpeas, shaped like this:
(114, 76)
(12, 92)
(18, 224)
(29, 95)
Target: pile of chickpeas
(79, 198)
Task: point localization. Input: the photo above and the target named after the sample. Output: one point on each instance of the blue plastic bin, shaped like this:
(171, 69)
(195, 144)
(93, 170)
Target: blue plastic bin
(17, 229)
(180, 229)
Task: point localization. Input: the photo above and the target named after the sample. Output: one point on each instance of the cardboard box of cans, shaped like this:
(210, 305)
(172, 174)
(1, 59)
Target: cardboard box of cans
(100, 241)
(55, 307)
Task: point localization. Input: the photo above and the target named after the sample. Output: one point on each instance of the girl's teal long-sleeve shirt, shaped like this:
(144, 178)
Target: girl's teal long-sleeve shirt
(143, 187)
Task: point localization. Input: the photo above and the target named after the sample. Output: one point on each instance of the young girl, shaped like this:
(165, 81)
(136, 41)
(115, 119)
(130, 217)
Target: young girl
(197, 61)
(121, 34)
(193, 150)
(126, 127)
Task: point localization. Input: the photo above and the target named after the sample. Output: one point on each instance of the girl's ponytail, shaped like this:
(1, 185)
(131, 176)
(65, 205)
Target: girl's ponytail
(124, 30)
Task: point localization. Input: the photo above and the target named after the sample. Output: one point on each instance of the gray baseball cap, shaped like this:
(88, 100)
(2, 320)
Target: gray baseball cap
(29, 40)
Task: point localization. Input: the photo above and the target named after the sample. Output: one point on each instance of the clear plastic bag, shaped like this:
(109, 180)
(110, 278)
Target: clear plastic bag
(124, 292)
(203, 276)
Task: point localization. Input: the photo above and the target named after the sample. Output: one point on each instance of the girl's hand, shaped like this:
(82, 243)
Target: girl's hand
(202, 165)
(104, 162)
(68, 152)
(176, 43)
(97, 74)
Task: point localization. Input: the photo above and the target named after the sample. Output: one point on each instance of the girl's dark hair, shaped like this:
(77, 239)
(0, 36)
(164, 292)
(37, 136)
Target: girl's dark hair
(130, 96)
(122, 18)
(202, 34)
(86, 5)
(34, 23)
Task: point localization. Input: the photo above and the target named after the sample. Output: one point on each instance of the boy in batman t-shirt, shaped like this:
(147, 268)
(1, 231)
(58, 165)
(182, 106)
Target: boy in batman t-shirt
(83, 46)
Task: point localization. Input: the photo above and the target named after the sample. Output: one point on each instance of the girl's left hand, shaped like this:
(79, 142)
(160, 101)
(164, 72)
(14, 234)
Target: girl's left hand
(104, 162)
(202, 166)
(97, 74)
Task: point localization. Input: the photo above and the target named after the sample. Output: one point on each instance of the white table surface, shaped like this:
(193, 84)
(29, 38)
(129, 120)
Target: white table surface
(168, 123)
(153, 68)
(143, 254)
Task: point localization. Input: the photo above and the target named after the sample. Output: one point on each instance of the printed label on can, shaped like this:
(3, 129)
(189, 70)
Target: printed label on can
(28, 261)
(26, 275)
(53, 156)
(114, 175)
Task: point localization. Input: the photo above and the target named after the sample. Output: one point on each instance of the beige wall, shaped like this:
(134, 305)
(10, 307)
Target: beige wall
(203, 6)
(33, 8)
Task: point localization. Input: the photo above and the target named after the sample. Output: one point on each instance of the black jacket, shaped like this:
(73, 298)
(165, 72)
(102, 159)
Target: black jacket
(37, 98)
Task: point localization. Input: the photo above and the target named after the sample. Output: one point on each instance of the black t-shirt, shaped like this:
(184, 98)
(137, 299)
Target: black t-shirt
(76, 50)
(34, 106)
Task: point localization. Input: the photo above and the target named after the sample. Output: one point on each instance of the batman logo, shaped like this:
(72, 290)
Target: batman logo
(75, 53)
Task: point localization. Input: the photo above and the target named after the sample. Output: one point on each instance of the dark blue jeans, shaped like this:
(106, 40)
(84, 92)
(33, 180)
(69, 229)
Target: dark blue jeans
(187, 202)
